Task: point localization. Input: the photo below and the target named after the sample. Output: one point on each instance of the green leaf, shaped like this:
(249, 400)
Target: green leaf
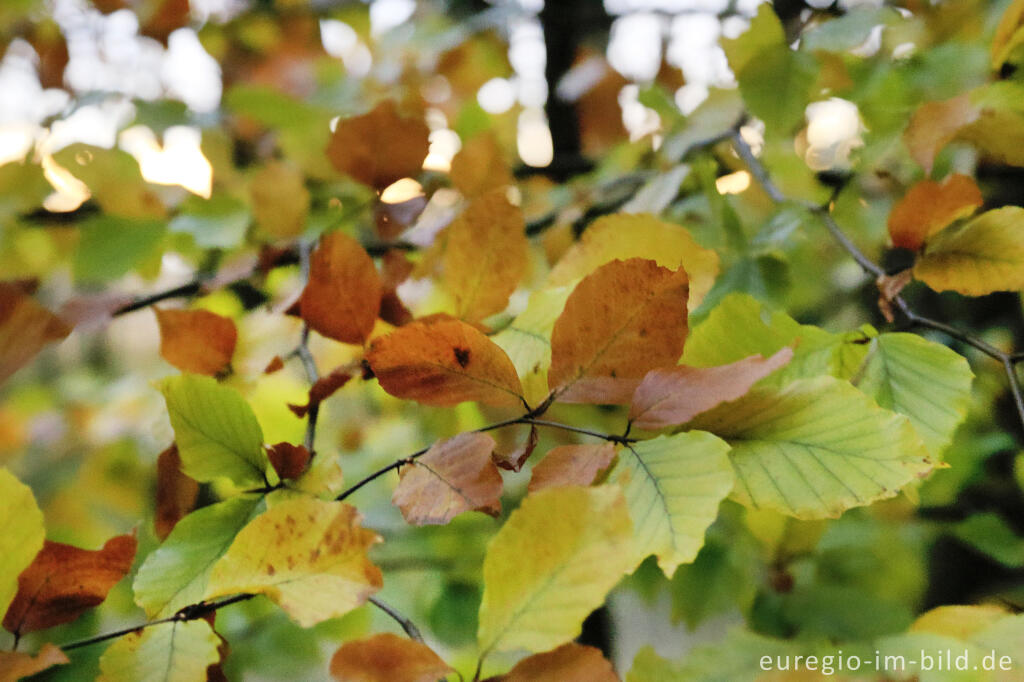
(776, 85)
(848, 31)
(997, 128)
(924, 380)
(765, 32)
(673, 486)
(980, 257)
(219, 222)
(215, 429)
(175, 574)
(816, 448)
(111, 246)
(648, 666)
(170, 652)
(22, 536)
(550, 565)
(989, 534)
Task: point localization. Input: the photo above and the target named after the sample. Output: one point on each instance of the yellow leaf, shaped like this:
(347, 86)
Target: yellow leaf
(169, 652)
(306, 555)
(480, 167)
(387, 658)
(22, 536)
(280, 200)
(930, 206)
(1009, 34)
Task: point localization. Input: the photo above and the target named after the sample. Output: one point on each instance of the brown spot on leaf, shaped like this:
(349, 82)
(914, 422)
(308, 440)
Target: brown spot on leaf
(462, 356)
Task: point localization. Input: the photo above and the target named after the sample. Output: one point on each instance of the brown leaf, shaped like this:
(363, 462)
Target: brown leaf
(395, 269)
(323, 388)
(514, 459)
(930, 206)
(568, 663)
(621, 321)
(342, 299)
(169, 16)
(571, 465)
(889, 287)
(935, 124)
(25, 327)
(15, 665)
(276, 364)
(444, 363)
(289, 461)
(196, 340)
(455, 475)
(176, 493)
(672, 396)
(380, 147)
(387, 658)
(480, 167)
(64, 581)
(485, 256)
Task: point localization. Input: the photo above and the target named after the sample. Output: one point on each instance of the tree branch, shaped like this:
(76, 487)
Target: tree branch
(407, 625)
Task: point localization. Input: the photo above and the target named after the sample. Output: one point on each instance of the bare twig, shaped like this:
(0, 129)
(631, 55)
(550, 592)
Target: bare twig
(407, 625)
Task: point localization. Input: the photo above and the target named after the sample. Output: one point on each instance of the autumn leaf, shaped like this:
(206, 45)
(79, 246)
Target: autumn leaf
(176, 492)
(936, 124)
(513, 460)
(672, 396)
(571, 465)
(1009, 34)
(23, 534)
(64, 581)
(444, 363)
(930, 206)
(455, 475)
(307, 556)
(196, 340)
(280, 201)
(25, 327)
(379, 147)
(480, 167)
(322, 389)
(168, 652)
(568, 663)
(623, 320)
(342, 299)
(387, 658)
(289, 461)
(15, 665)
(485, 256)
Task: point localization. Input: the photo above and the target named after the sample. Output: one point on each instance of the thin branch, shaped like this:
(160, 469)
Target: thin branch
(185, 290)
(407, 625)
(307, 359)
(611, 438)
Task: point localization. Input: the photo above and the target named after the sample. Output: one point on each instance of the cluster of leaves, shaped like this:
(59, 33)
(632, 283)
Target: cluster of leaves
(676, 425)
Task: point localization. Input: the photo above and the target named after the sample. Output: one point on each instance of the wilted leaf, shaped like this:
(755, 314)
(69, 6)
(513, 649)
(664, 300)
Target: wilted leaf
(485, 256)
(280, 200)
(307, 556)
(23, 533)
(444, 363)
(672, 396)
(176, 493)
(568, 663)
(935, 124)
(514, 459)
(455, 475)
(215, 430)
(639, 236)
(480, 166)
(196, 340)
(550, 565)
(64, 581)
(673, 486)
(322, 389)
(978, 258)
(342, 299)
(816, 448)
(387, 658)
(289, 461)
(25, 327)
(930, 206)
(571, 465)
(379, 147)
(623, 320)
(169, 652)
(15, 665)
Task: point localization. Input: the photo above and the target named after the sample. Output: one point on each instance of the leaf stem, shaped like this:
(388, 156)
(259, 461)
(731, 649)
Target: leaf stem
(407, 625)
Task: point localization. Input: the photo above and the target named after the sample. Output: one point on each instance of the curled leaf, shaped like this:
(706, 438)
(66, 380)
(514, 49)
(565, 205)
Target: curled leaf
(514, 459)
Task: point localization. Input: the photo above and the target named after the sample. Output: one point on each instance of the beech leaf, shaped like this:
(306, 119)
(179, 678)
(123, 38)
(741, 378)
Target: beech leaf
(387, 658)
(930, 206)
(176, 492)
(168, 652)
(322, 389)
(571, 465)
(514, 459)
(443, 363)
(379, 147)
(936, 124)
(196, 340)
(342, 299)
(289, 461)
(23, 533)
(568, 663)
(455, 475)
(15, 665)
(480, 167)
(623, 320)
(25, 327)
(280, 201)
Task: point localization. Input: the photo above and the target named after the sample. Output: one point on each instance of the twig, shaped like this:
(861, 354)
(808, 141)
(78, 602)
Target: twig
(307, 358)
(407, 625)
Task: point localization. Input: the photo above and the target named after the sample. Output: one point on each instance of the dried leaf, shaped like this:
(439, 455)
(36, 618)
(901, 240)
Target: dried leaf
(935, 124)
(342, 299)
(379, 147)
(289, 461)
(444, 363)
(568, 663)
(621, 321)
(930, 206)
(64, 581)
(673, 396)
(514, 459)
(455, 475)
(395, 269)
(176, 492)
(323, 388)
(571, 465)
(15, 665)
(889, 287)
(196, 340)
(387, 658)
(276, 364)
(25, 327)
(480, 167)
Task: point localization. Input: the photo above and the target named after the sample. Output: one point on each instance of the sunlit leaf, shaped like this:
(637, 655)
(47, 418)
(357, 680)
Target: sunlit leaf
(930, 206)
(571, 465)
(568, 663)
(169, 652)
(23, 533)
(15, 665)
(196, 340)
(379, 147)
(25, 328)
(342, 299)
(387, 657)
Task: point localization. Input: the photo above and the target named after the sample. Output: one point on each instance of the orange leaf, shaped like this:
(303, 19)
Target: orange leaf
(342, 298)
(380, 147)
(514, 459)
(25, 327)
(395, 269)
(322, 389)
(444, 363)
(176, 493)
(387, 658)
(485, 256)
(64, 581)
(15, 665)
(672, 396)
(930, 206)
(571, 465)
(935, 124)
(568, 663)
(455, 475)
(623, 320)
(480, 167)
(196, 340)
(289, 460)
